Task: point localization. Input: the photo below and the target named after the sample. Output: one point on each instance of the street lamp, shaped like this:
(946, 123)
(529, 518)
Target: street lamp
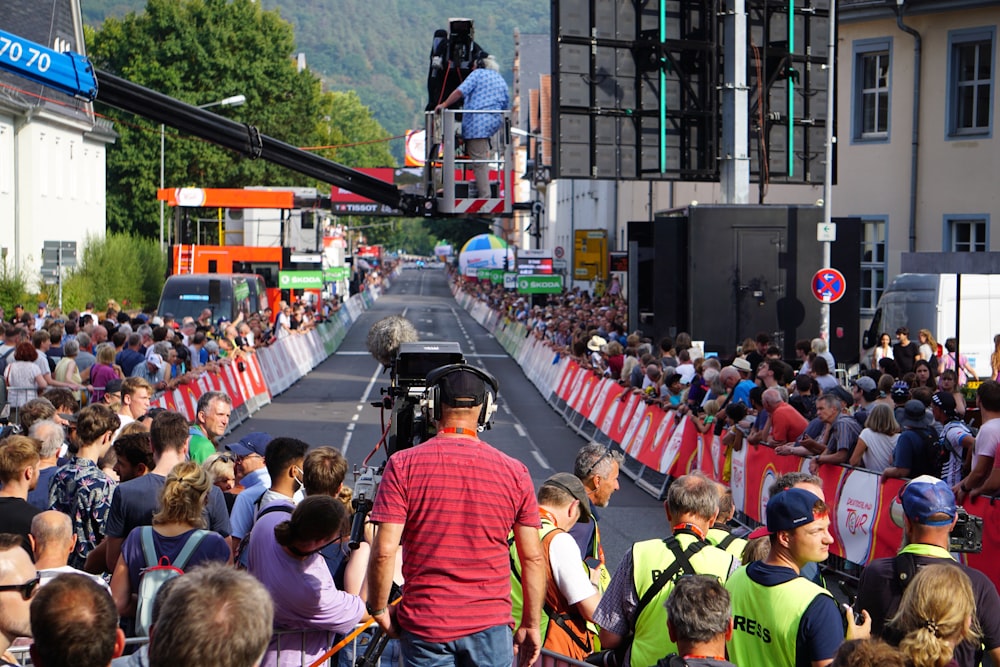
(232, 101)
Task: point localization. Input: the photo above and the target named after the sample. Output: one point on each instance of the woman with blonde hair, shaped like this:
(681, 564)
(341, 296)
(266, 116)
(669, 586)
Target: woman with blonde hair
(928, 347)
(878, 439)
(936, 614)
(178, 521)
(995, 358)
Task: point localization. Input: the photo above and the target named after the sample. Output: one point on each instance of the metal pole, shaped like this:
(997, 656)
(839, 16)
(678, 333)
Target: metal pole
(163, 247)
(824, 312)
(59, 273)
(735, 174)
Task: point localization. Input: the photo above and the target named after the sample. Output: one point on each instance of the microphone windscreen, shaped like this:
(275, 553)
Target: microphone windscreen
(386, 335)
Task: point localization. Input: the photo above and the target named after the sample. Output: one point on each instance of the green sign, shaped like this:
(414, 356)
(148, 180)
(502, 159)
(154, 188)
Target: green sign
(300, 279)
(539, 284)
(495, 276)
(336, 273)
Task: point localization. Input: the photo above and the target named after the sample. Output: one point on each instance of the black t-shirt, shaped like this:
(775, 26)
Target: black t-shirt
(905, 356)
(15, 517)
(879, 593)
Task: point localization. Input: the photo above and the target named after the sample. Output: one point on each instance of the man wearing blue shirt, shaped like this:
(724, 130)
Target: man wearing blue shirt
(483, 90)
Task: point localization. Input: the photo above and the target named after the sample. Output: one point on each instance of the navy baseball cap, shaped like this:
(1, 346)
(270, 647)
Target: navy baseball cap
(251, 443)
(790, 509)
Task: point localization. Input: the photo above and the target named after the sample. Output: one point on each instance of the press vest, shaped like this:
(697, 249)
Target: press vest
(649, 558)
(727, 542)
(554, 637)
(766, 619)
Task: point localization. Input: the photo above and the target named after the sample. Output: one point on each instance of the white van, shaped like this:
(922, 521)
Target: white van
(927, 301)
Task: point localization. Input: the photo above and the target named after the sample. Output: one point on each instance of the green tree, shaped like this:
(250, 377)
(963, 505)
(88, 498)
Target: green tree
(13, 287)
(201, 51)
(127, 268)
(359, 140)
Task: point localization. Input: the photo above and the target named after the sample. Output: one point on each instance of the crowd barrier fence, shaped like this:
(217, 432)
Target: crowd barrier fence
(254, 380)
(659, 447)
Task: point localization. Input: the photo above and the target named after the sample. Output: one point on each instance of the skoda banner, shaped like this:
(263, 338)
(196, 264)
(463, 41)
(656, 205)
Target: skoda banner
(334, 273)
(539, 284)
(300, 279)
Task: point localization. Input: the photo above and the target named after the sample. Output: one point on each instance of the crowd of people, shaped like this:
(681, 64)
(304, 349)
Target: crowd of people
(85, 351)
(99, 500)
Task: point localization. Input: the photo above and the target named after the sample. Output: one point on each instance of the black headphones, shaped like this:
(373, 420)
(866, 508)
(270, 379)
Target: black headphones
(480, 63)
(434, 391)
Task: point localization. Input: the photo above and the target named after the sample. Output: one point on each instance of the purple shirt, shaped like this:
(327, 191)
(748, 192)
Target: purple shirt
(305, 597)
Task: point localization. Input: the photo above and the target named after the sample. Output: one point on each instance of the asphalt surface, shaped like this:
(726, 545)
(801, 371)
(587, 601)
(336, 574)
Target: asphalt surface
(331, 406)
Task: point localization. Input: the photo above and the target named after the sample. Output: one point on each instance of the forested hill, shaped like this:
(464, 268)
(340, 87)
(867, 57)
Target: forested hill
(380, 48)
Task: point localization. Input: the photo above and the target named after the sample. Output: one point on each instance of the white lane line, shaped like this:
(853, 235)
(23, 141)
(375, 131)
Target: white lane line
(520, 430)
(355, 417)
(371, 383)
(541, 459)
(350, 427)
(347, 442)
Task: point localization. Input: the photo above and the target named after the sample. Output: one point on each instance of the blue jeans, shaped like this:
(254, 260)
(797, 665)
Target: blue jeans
(492, 647)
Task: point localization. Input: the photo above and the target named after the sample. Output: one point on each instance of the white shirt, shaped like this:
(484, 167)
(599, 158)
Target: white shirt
(986, 441)
(568, 570)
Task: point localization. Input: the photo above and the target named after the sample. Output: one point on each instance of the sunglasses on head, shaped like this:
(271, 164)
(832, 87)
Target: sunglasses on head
(306, 554)
(27, 589)
(606, 454)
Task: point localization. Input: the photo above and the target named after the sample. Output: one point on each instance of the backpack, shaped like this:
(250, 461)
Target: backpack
(157, 572)
(241, 550)
(4, 359)
(937, 452)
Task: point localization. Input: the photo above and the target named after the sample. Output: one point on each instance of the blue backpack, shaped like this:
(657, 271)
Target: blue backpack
(157, 572)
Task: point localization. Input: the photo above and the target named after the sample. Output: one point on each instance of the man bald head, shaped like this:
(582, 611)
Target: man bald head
(52, 539)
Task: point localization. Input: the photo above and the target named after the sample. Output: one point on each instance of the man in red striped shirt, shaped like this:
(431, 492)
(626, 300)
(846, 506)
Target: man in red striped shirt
(451, 502)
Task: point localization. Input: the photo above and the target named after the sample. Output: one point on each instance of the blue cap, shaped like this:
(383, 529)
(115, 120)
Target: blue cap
(251, 443)
(924, 498)
(790, 509)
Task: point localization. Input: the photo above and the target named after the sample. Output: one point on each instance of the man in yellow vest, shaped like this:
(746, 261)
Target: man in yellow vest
(570, 595)
(721, 533)
(634, 601)
(781, 619)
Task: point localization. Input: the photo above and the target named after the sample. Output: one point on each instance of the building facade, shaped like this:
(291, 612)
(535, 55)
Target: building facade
(52, 147)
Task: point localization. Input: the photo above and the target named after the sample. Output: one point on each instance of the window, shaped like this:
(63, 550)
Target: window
(966, 233)
(970, 88)
(873, 261)
(872, 70)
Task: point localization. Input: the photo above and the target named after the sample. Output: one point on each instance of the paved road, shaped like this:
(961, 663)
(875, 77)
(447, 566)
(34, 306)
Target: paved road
(331, 406)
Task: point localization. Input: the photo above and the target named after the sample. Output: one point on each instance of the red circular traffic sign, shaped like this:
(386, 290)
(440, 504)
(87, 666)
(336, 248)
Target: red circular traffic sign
(559, 252)
(828, 285)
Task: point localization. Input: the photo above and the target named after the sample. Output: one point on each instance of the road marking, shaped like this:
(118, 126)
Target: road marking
(355, 417)
(520, 430)
(541, 459)
(350, 427)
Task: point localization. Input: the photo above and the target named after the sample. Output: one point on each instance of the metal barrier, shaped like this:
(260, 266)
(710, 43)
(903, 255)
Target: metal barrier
(290, 650)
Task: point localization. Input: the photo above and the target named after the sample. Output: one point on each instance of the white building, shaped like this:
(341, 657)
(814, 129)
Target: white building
(52, 147)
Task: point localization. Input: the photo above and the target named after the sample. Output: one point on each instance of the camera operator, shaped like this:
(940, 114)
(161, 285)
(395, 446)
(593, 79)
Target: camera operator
(930, 514)
(451, 502)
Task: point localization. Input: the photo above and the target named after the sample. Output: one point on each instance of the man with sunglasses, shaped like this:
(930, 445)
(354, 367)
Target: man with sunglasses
(597, 467)
(18, 583)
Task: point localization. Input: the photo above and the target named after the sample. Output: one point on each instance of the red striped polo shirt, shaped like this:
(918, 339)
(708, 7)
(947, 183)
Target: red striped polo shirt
(458, 498)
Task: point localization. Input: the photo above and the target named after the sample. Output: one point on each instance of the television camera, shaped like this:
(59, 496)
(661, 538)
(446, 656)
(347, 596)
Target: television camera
(413, 402)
